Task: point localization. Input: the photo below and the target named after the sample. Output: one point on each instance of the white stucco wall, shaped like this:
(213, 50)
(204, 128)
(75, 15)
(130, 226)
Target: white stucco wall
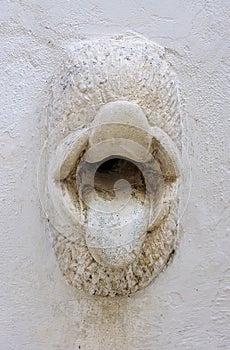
(187, 306)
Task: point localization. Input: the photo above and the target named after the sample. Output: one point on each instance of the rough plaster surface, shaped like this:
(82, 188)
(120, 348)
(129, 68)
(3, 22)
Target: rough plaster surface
(188, 305)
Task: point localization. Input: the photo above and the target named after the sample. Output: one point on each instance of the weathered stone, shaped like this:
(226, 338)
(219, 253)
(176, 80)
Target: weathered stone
(111, 166)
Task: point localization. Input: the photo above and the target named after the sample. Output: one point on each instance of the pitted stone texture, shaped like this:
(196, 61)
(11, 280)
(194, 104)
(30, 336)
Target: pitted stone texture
(133, 70)
(127, 68)
(83, 272)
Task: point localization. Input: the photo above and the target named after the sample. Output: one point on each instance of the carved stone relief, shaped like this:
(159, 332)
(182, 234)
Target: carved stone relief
(110, 168)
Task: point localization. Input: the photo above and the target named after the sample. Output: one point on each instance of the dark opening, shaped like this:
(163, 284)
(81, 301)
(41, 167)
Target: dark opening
(112, 170)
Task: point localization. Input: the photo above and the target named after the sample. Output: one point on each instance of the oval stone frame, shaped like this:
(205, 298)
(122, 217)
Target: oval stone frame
(98, 82)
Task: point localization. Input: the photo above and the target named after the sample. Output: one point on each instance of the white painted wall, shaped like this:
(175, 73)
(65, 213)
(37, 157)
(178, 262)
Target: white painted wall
(187, 306)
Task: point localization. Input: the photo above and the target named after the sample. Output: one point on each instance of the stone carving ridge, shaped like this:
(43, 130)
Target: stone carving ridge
(109, 89)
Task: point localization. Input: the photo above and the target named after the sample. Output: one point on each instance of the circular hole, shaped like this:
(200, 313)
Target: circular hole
(112, 171)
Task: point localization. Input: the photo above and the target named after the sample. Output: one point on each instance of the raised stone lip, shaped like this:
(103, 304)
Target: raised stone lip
(117, 147)
(120, 128)
(121, 87)
(123, 112)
